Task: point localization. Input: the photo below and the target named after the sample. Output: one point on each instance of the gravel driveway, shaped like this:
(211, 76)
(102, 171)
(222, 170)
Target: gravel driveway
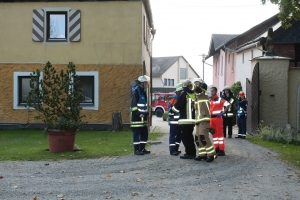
(246, 172)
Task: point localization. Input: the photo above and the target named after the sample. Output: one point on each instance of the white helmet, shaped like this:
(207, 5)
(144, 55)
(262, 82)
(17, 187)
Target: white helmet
(143, 79)
(226, 88)
(198, 80)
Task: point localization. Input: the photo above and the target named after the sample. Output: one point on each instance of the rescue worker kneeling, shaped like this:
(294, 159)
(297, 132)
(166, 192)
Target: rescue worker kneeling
(206, 150)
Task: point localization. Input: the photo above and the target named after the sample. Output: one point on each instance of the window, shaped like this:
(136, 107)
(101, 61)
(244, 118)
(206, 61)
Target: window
(165, 81)
(232, 64)
(169, 82)
(182, 73)
(228, 57)
(221, 65)
(21, 88)
(145, 29)
(172, 82)
(243, 58)
(89, 85)
(61, 24)
(56, 26)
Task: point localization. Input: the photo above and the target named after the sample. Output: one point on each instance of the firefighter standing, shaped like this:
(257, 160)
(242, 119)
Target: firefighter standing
(206, 149)
(217, 110)
(186, 120)
(229, 116)
(139, 114)
(175, 135)
(242, 115)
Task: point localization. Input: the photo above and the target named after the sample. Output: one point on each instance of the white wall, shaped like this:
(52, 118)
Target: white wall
(243, 70)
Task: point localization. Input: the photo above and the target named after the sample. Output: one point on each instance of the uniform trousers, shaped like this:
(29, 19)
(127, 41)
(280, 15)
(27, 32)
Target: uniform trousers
(206, 148)
(174, 138)
(218, 137)
(140, 137)
(188, 139)
(242, 125)
(227, 122)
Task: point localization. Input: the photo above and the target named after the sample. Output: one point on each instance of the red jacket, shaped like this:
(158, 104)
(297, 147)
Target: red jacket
(217, 104)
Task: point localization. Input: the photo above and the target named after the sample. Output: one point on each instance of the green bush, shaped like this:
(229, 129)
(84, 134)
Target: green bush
(278, 134)
(236, 88)
(165, 116)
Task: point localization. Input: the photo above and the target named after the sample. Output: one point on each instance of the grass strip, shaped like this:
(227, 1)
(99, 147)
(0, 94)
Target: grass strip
(33, 145)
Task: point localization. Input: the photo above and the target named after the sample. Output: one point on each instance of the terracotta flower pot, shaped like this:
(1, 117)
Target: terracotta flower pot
(61, 141)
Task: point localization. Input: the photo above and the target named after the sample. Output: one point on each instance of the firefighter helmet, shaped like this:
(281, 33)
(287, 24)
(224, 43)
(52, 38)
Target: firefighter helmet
(241, 94)
(198, 80)
(226, 88)
(179, 87)
(143, 79)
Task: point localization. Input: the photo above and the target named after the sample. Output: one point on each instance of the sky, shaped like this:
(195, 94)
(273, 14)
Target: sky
(184, 27)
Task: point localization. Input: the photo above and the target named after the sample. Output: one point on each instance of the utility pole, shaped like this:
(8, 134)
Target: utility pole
(203, 61)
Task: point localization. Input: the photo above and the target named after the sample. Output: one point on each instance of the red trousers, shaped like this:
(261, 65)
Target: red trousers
(218, 136)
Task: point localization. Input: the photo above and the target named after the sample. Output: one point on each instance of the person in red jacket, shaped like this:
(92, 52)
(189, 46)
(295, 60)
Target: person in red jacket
(217, 110)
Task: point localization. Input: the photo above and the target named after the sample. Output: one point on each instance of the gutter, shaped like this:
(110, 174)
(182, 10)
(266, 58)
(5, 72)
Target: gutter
(250, 45)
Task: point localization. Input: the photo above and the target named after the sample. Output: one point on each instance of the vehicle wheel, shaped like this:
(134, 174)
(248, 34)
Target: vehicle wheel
(159, 112)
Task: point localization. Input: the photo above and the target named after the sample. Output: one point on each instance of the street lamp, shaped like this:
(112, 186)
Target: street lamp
(203, 61)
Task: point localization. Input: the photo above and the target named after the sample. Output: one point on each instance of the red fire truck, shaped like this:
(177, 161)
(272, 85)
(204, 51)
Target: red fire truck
(160, 103)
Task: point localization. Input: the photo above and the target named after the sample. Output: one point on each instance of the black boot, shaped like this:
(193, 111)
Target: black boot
(185, 156)
(137, 152)
(199, 158)
(175, 153)
(210, 158)
(145, 151)
(229, 136)
(221, 153)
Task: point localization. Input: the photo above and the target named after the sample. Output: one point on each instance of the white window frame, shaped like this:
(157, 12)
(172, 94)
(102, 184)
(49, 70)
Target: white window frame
(95, 74)
(16, 105)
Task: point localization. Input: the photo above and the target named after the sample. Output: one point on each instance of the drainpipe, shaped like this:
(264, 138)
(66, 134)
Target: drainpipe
(153, 31)
(12, 63)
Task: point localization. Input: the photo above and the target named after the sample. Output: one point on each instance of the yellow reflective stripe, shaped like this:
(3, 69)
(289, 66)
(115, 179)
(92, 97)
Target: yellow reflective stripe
(174, 109)
(134, 109)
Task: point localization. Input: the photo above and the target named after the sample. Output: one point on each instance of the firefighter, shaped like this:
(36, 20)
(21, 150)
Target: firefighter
(206, 149)
(186, 120)
(217, 110)
(139, 114)
(175, 135)
(242, 115)
(230, 115)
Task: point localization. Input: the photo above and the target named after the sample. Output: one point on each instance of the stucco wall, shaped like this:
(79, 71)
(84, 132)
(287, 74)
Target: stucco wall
(273, 80)
(114, 91)
(244, 70)
(111, 33)
(294, 83)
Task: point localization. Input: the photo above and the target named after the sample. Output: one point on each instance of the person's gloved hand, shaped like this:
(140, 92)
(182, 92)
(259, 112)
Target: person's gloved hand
(220, 114)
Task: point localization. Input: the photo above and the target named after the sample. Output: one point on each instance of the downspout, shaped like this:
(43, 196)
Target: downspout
(10, 63)
(153, 31)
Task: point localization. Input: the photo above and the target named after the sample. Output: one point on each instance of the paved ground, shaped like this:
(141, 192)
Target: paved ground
(247, 172)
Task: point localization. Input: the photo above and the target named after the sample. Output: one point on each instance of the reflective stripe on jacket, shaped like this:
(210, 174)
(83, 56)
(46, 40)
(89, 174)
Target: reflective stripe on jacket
(202, 107)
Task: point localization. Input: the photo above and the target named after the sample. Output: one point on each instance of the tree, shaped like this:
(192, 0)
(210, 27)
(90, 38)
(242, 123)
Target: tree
(288, 10)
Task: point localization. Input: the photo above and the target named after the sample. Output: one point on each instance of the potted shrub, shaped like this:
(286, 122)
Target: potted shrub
(56, 98)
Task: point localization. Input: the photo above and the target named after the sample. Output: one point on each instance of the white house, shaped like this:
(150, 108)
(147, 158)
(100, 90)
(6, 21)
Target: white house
(168, 71)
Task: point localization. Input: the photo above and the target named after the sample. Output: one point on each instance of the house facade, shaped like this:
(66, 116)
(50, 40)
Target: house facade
(268, 55)
(168, 71)
(109, 43)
